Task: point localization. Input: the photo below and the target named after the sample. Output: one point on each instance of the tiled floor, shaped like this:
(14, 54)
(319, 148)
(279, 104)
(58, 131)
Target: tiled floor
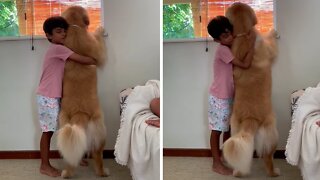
(195, 168)
(29, 170)
(174, 168)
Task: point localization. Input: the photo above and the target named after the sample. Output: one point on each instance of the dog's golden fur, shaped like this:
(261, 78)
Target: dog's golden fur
(81, 120)
(253, 124)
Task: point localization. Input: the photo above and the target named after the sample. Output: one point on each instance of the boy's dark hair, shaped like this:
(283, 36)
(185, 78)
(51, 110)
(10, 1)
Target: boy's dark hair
(219, 25)
(54, 22)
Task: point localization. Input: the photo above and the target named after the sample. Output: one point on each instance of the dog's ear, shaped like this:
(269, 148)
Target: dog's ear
(86, 20)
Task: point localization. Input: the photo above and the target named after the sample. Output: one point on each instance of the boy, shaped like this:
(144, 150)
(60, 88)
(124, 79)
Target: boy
(222, 88)
(50, 87)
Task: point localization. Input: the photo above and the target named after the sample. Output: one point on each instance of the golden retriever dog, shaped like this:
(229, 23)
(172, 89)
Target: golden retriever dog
(253, 124)
(81, 121)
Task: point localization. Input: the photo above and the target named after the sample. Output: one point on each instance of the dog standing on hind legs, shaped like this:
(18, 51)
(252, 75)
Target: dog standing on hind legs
(81, 121)
(253, 124)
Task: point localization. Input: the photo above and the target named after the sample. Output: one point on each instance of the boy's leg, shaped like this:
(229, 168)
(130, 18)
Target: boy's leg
(217, 166)
(84, 161)
(48, 116)
(45, 167)
(214, 143)
(216, 111)
(226, 136)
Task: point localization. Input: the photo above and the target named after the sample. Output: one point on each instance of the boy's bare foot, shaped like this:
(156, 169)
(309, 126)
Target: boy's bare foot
(50, 171)
(221, 169)
(84, 162)
(318, 123)
(222, 159)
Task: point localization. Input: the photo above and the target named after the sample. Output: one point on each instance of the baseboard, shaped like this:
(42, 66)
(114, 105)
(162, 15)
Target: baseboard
(279, 154)
(108, 154)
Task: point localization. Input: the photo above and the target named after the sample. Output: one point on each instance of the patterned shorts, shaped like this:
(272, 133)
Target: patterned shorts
(219, 113)
(48, 109)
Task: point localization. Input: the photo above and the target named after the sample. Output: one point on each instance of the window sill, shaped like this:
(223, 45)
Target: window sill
(22, 38)
(187, 40)
(19, 38)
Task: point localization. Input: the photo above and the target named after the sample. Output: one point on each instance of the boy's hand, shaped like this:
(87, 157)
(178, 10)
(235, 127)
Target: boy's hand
(252, 34)
(82, 59)
(93, 61)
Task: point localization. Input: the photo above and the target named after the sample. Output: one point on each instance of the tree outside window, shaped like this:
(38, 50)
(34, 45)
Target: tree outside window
(189, 18)
(26, 17)
(8, 19)
(177, 21)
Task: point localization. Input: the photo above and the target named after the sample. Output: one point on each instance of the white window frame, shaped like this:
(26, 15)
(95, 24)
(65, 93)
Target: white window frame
(206, 39)
(37, 37)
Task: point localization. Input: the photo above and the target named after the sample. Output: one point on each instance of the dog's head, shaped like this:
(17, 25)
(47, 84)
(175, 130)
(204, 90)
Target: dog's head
(77, 15)
(242, 17)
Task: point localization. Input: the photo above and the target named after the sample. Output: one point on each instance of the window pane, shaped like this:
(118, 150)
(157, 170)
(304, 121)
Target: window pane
(208, 9)
(44, 9)
(27, 16)
(262, 8)
(177, 21)
(8, 19)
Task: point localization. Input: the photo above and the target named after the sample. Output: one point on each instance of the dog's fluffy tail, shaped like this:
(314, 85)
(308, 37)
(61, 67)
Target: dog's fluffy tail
(238, 150)
(72, 143)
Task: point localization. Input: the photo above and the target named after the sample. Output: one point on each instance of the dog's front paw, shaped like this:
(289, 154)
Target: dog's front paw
(274, 34)
(100, 31)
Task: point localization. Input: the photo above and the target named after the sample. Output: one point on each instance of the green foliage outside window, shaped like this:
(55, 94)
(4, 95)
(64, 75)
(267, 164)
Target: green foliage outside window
(177, 21)
(8, 19)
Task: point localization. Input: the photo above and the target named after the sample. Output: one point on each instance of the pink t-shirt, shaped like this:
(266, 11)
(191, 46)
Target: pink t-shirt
(52, 71)
(222, 86)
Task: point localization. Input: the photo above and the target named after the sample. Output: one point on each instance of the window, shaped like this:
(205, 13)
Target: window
(189, 18)
(26, 17)
(178, 21)
(8, 19)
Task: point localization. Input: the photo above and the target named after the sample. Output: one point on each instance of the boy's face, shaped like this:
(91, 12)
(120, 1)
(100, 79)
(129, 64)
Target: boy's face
(226, 39)
(58, 35)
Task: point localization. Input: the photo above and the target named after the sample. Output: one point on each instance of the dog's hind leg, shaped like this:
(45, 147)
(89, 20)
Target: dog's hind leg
(98, 162)
(238, 149)
(97, 134)
(266, 143)
(268, 162)
(268, 159)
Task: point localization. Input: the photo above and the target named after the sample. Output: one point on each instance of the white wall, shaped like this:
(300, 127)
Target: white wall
(188, 74)
(133, 48)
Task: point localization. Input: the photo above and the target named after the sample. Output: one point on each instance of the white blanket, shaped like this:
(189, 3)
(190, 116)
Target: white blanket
(303, 146)
(138, 145)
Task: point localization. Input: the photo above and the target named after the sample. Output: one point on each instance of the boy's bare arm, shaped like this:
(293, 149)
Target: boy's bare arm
(82, 59)
(246, 62)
